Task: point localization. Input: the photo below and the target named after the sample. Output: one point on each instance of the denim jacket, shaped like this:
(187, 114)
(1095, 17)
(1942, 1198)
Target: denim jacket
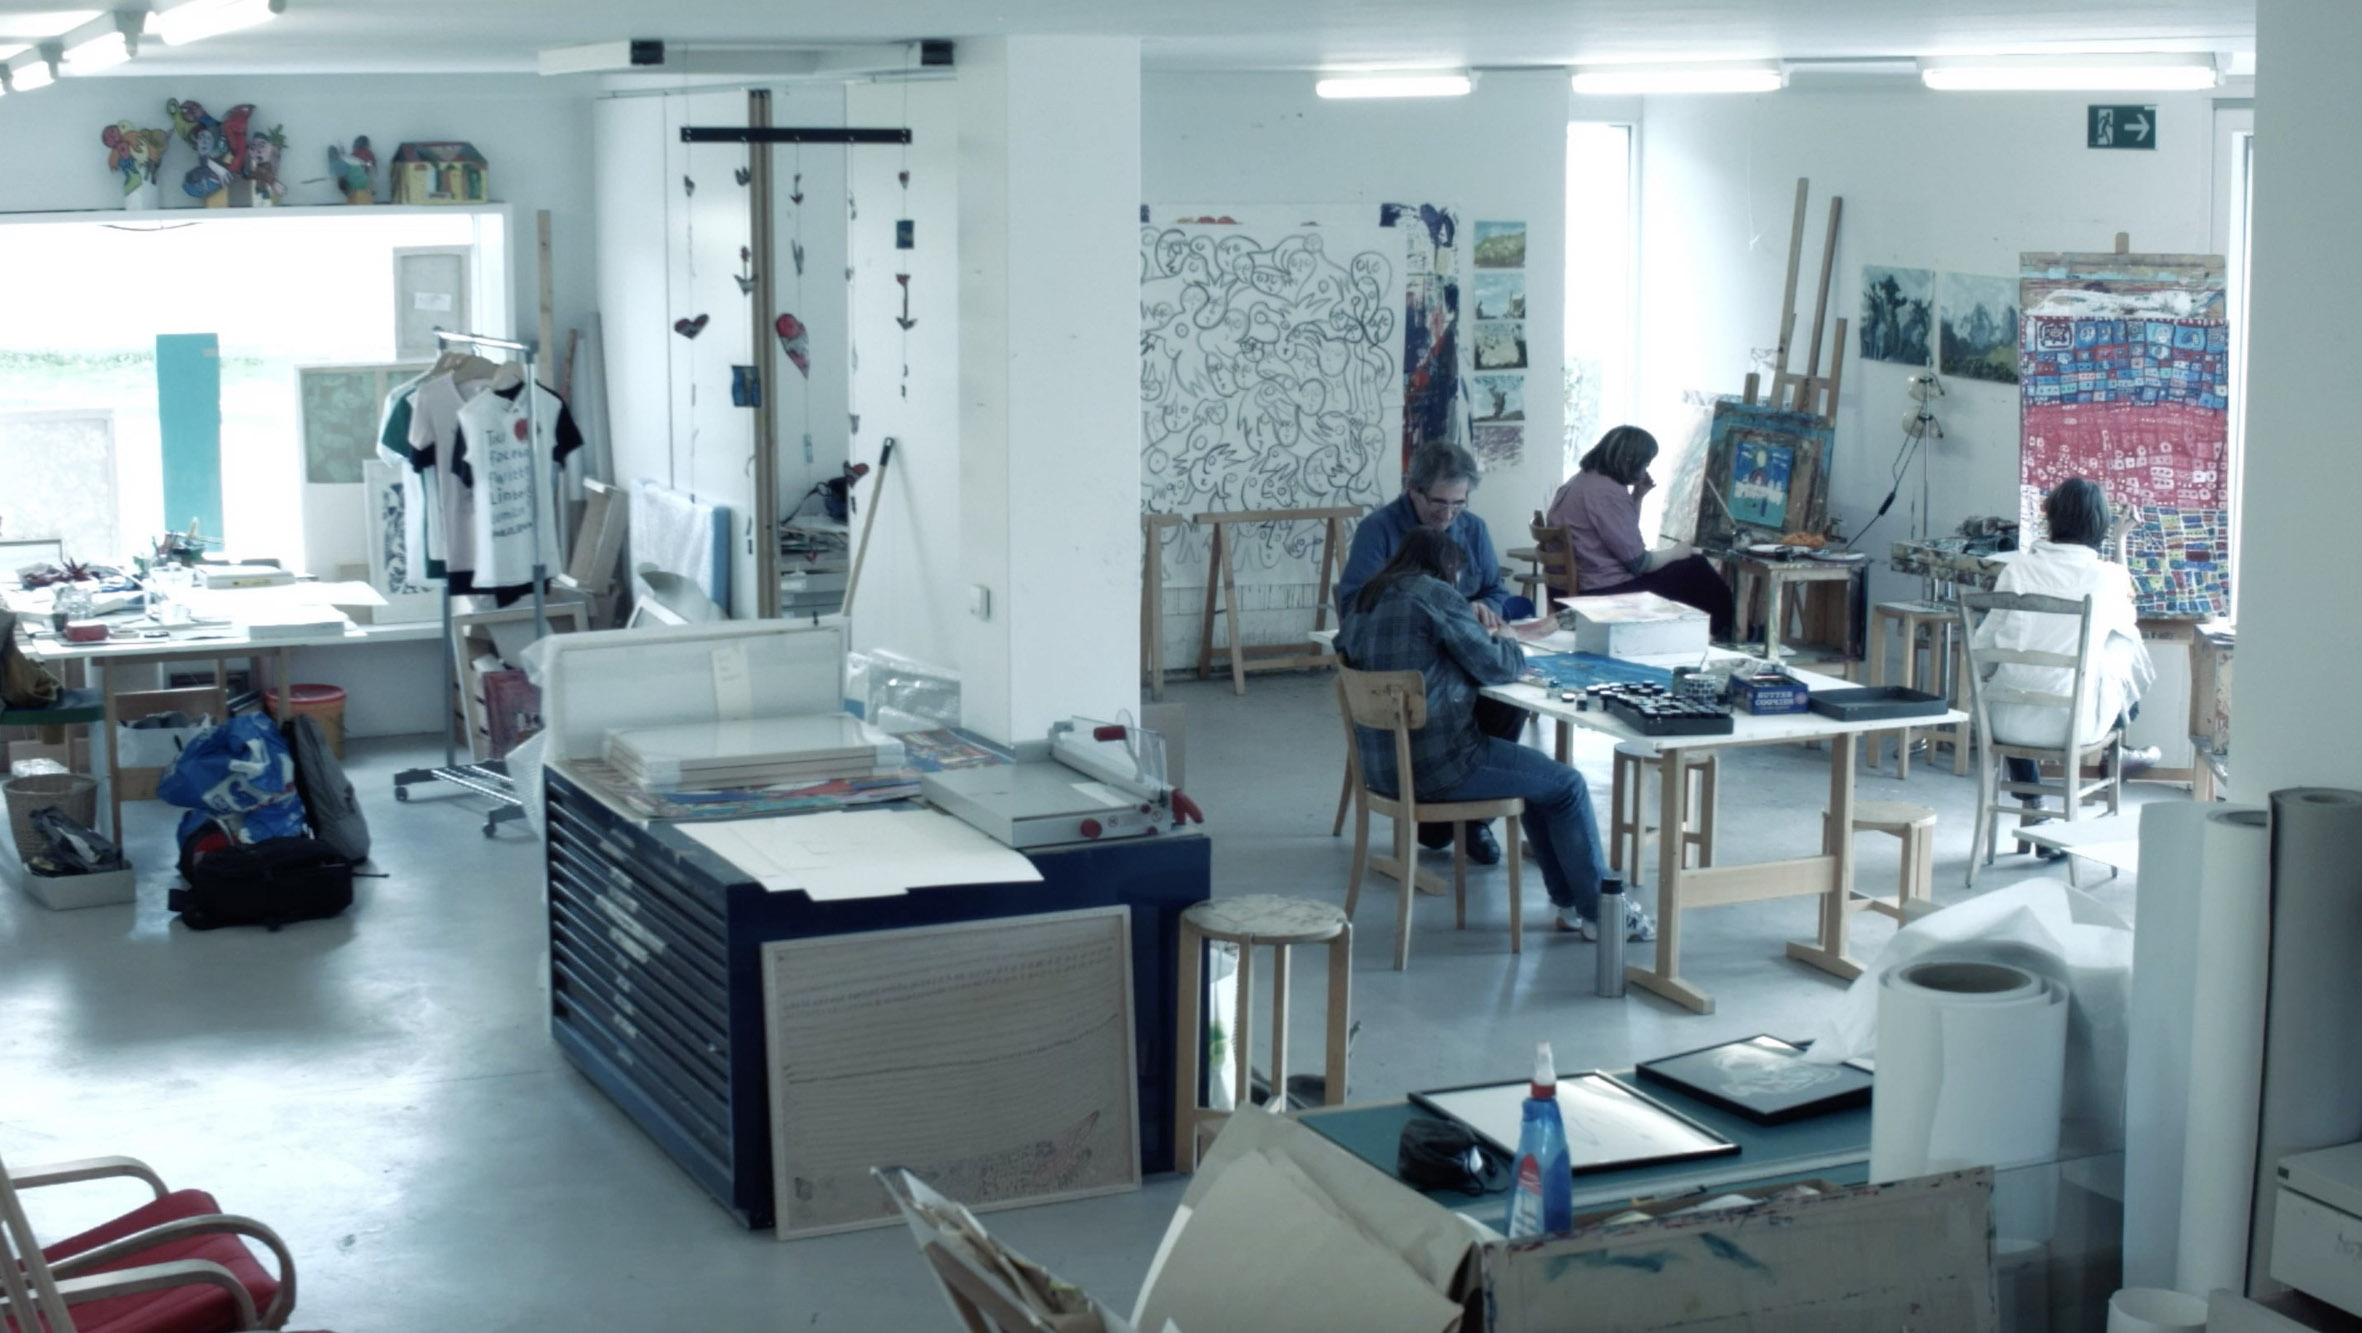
(1425, 625)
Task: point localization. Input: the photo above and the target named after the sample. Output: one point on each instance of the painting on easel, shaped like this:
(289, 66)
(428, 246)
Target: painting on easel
(1766, 475)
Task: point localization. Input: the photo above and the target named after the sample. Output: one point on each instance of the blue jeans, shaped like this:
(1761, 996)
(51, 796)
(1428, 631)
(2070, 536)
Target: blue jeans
(1558, 817)
(1518, 608)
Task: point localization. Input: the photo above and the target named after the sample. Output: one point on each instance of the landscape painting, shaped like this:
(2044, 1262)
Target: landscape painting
(1898, 314)
(1500, 245)
(1979, 328)
(1500, 295)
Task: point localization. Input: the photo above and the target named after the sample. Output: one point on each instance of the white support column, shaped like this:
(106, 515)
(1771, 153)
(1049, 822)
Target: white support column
(1049, 379)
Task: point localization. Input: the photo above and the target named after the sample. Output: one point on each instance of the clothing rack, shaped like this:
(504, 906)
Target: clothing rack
(490, 778)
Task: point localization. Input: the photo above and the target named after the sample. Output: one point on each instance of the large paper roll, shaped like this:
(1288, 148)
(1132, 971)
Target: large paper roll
(2312, 1069)
(1971, 1065)
(2193, 1047)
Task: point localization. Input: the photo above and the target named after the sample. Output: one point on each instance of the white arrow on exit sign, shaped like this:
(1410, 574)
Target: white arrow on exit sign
(2137, 127)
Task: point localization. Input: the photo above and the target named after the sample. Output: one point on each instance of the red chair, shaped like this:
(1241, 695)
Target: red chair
(175, 1264)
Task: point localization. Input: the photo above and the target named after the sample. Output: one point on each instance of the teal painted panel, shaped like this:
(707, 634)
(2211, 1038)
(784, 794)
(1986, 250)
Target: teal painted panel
(188, 410)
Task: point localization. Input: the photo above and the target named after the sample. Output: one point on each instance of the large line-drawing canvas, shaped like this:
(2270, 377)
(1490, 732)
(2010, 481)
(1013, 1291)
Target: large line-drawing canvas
(1271, 377)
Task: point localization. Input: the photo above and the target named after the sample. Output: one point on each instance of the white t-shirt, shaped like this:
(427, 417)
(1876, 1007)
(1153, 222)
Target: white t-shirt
(2118, 670)
(435, 447)
(506, 504)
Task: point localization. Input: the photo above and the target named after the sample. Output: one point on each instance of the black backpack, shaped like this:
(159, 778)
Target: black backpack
(267, 883)
(329, 801)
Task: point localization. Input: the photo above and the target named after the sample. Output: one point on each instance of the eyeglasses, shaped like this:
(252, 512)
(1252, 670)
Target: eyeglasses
(1447, 506)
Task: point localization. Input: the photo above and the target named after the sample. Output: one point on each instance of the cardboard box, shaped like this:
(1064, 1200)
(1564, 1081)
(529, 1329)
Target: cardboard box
(73, 752)
(144, 756)
(66, 892)
(1636, 624)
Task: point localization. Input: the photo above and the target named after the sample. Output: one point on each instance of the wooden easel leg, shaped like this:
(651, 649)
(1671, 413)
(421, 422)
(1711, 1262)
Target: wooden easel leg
(1205, 642)
(1152, 611)
(1192, 1038)
(1238, 648)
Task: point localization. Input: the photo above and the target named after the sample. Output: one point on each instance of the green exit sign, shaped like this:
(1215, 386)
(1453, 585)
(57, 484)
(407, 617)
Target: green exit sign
(2120, 127)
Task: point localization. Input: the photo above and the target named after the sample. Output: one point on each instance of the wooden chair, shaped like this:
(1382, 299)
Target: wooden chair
(1556, 547)
(2070, 759)
(1396, 702)
(171, 1266)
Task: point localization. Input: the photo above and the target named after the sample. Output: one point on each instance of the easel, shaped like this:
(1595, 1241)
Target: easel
(1152, 599)
(1220, 580)
(1811, 391)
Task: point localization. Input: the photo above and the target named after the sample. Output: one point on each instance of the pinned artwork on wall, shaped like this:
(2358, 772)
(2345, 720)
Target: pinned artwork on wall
(795, 342)
(1898, 314)
(136, 155)
(354, 170)
(1500, 295)
(2126, 361)
(1431, 322)
(1500, 344)
(1979, 328)
(1500, 245)
(1498, 397)
(1497, 444)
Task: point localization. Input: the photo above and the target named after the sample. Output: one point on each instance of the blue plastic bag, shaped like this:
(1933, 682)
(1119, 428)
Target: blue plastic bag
(242, 775)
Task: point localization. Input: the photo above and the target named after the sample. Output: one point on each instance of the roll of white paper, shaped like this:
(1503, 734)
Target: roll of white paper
(2198, 966)
(1971, 1065)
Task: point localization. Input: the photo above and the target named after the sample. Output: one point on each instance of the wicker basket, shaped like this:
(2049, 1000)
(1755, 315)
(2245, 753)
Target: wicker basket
(74, 793)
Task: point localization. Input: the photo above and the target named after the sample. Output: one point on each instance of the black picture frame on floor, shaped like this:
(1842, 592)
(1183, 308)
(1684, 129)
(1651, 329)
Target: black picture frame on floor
(1610, 1125)
(1762, 1078)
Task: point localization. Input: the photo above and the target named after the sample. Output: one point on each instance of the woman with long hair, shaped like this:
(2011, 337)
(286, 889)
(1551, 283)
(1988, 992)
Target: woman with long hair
(1600, 508)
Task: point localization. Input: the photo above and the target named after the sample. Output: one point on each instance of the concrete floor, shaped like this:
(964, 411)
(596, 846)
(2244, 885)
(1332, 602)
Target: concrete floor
(382, 1090)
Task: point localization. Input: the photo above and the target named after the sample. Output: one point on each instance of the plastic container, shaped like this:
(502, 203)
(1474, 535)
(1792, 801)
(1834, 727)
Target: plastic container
(1608, 981)
(66, 892)
(74, 793)
(323, 704)
(1542, 1180)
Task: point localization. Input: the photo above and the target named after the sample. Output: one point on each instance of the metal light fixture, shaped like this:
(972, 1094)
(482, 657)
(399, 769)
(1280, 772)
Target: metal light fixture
(2159, 73)
(1445, 83)
(32, 70)
(196, 20)
(1744, 76)
(88, 52)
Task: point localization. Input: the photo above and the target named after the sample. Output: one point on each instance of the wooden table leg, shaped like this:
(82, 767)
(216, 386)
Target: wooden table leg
(1340, 1013)
(1875, 675)
(1665, 977)
(1828, 951)
(1279, 1029)
(1191, 1034)
(1566, 743)
(1963, 733)
(1242, 1024)
(1205, 639)
(1910, 682)
(1775, 613)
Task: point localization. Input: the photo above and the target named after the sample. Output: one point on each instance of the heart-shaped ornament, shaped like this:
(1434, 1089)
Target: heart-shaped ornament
(690, 328)
(796, 341)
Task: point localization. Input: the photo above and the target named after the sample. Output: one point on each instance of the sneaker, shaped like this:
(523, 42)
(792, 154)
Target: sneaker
(1483, 848)
(1639, 926)
(1574, 923)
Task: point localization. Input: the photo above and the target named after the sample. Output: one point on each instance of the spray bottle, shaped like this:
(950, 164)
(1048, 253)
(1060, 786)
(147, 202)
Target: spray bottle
(1542, 1187)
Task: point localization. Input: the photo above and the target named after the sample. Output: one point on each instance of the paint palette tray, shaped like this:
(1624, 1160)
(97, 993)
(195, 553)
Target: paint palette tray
(1667, 714)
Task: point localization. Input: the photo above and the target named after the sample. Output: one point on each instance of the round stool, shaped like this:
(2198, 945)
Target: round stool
(1628, 823)
(1281, 923)
(1915, 826)
(1938, 625)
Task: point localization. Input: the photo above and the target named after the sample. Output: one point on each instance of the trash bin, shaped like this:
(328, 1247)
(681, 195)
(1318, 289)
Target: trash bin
(323, 704)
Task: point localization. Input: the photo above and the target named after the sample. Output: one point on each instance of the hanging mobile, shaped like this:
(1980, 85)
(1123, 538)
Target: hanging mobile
(746, 280)
(796, 248)
(795, 192)
(744, 175)
(688, 187)
(903, 280)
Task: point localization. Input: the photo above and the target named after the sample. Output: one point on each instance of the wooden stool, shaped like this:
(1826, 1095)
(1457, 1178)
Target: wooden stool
(1281, 923)
(1915, 825)
(1941, 626)
(1627, 827)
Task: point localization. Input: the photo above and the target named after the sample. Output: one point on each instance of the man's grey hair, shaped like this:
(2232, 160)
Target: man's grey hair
(1436, 465)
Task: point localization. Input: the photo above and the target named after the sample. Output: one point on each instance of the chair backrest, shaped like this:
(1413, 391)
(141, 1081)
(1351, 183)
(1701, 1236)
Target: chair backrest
(1557, 549)
(27, 1288)
(1390, 701)
(1978, 605)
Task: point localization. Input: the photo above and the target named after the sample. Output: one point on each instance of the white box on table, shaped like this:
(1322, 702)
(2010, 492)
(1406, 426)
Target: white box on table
(1635, 624)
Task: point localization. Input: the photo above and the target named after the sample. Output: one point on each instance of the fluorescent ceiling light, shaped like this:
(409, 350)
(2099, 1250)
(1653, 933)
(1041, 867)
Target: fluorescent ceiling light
(92, 54)
(49, 23)
(196, 20)
(1396, 85)
(26, 75)
(2163, 73)
(1755, 76)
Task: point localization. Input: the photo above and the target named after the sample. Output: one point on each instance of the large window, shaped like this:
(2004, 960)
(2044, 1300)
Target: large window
(79, 435)
(1600, 263)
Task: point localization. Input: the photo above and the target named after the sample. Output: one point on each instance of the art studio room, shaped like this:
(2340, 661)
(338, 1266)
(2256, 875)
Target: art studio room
(1089, 667)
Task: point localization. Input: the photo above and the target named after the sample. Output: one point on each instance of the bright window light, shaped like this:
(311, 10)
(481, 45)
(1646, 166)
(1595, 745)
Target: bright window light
(1396, 85)
(46, 23)
(93, 54)
(29, 75)
(196, 20)
(1645, 80)
(2071, 73)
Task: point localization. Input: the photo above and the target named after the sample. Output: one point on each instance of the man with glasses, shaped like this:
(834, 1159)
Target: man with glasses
(1435, 495)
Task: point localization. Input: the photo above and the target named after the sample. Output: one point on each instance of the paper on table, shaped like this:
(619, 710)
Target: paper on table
(862, 853)
(1243, 1259)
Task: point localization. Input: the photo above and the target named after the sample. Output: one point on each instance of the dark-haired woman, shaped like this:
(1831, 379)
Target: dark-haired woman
(1411, 616)
(2067, 564)
(1600, 508)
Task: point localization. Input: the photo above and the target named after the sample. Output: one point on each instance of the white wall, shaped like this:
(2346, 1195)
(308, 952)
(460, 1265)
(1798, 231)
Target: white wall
(2296, 723)
(1497, 154)
(912, 597)
(1945, 181)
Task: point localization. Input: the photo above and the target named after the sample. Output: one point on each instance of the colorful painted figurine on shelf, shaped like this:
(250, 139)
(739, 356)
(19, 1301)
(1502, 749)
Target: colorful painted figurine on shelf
(355, 171)
(220, 147)
(262, 165)
(137, 155)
